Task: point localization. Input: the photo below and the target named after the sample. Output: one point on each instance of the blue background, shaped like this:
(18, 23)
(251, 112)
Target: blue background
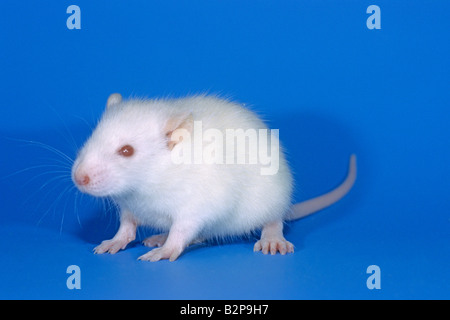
(312, 68)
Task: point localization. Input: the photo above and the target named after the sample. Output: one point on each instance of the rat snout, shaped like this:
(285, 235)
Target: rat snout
(92, 180)
(82, 175)
(81, 179)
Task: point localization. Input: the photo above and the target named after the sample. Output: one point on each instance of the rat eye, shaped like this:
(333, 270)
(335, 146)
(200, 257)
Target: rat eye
(126, 151)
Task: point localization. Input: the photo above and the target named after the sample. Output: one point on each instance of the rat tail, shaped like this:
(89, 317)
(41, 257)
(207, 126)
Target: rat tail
(310, 206)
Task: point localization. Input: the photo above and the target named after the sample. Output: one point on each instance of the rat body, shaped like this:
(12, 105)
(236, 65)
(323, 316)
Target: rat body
(130, 157)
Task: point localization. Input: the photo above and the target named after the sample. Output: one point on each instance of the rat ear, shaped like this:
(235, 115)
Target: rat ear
(178, 126)
(113, 99)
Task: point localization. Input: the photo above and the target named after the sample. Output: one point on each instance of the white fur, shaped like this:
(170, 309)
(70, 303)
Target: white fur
(193, 201)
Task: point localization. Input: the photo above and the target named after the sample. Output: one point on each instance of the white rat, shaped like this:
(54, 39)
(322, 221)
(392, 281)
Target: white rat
(130, 159)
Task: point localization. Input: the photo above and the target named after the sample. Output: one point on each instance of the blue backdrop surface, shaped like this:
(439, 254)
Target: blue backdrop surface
(313, 69)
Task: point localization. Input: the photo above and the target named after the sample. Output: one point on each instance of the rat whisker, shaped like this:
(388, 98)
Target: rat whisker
(60, 180)
(53, 204)
(91, 128)
(75, 206)
(46, 147)
(32, 168)
(69, 137)
(57, 161)
(66, 190)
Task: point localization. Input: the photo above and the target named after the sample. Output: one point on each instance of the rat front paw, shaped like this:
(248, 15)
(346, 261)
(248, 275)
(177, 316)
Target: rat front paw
(161, 253)
(112, 246)
(273, 246)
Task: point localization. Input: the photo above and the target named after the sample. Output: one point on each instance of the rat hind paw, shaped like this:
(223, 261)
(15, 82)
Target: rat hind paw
(273, 246)
(157, 240)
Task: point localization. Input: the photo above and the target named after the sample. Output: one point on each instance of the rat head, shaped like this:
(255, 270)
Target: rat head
(131, 145)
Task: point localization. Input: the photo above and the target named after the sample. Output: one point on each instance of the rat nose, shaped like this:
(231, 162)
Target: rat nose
(82, 179)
